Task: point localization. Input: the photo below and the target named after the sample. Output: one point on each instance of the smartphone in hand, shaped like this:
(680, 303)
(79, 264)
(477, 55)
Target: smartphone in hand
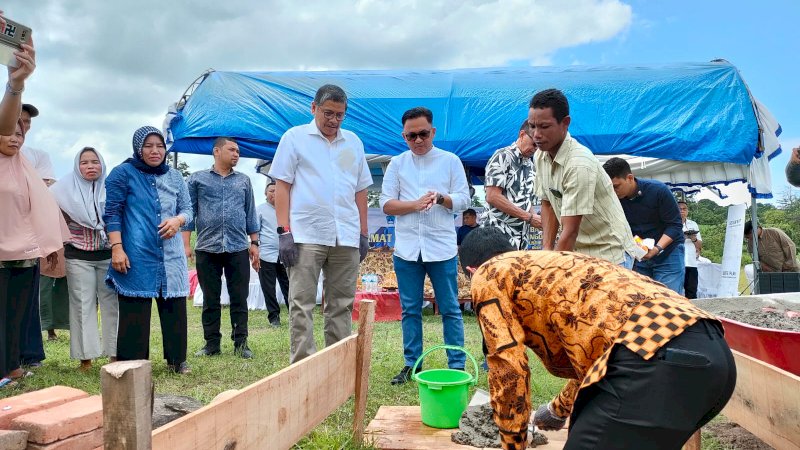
(11, 39)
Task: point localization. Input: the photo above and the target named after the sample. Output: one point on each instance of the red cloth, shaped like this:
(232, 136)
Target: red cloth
(192, 281)
(387, 308)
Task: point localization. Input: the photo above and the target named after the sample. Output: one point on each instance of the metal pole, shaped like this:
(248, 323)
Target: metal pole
(756, 262)
(175, 160)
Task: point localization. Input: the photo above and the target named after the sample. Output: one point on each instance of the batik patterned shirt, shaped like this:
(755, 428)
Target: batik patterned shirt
(570, 309)
(508, 170)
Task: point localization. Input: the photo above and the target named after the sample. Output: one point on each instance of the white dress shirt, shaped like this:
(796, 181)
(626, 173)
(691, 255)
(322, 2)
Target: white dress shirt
(430, 233)
(41, 162)
(268, 233)
(325, 177)
(690, 252)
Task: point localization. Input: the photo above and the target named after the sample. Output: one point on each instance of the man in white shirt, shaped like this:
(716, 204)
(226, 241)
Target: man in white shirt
(424, 187)
(39, 159)
(271, 269)
(321, 178)
(693, 245)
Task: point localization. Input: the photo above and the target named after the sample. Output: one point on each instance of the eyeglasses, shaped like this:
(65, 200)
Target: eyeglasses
(330, 115)
(412, 137)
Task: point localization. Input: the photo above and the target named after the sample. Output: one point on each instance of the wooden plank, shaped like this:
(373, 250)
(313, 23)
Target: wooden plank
(290, 403)
(127, 388)
(401, 428)
(366, 320)
(766, 402)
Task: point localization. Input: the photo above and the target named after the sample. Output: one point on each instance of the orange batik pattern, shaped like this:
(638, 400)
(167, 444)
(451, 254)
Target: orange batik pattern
(570, 309)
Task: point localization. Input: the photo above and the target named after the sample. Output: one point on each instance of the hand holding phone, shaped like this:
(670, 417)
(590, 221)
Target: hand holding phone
(13, 36)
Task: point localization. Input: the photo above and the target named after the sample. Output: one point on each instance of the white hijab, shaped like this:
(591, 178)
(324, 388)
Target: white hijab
(82, 200)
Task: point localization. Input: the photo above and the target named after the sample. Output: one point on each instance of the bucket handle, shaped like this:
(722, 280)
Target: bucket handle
(447, 347)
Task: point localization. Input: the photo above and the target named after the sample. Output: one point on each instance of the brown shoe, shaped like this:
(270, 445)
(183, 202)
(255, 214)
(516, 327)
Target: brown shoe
(180, 369)
(112, 359)
(86, 365)
(51, 335)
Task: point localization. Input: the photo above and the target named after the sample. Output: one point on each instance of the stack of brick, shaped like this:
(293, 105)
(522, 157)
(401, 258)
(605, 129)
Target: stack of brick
(56, 418)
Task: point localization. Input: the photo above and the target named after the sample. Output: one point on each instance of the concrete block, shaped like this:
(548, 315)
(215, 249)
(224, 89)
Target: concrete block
(35, 401)
(13, 439)
(62, 421)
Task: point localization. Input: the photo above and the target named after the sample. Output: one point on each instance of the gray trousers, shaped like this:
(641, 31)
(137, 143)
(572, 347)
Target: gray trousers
(87, 289)
(340, 267)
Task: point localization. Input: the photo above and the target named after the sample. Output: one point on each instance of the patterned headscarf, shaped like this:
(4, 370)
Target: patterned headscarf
(138, 142)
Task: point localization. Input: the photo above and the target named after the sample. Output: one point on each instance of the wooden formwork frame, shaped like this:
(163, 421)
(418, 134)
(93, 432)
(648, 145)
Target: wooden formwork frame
(273, 413)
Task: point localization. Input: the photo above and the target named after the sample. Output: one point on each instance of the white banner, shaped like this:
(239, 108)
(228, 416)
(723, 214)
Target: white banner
(732, 252)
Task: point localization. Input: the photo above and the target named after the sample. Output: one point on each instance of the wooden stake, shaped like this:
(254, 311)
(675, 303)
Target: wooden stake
(127, 388)
(366, 318)
(694, 442)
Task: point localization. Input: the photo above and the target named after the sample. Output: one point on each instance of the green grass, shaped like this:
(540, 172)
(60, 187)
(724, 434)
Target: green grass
(210, 376)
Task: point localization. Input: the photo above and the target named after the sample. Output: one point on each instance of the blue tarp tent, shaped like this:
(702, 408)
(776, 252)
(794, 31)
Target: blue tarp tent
(665, 118)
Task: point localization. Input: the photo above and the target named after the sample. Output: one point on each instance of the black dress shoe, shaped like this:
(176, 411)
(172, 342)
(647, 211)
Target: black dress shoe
(404, 376)
(243, 352)
(181, 369)
(205, 351)
(275, 323)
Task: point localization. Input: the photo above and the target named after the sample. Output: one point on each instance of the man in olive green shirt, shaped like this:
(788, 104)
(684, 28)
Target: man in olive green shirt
(576, 192)
(776, 250)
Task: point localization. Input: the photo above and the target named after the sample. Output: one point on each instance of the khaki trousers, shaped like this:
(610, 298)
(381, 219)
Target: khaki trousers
(339, 264)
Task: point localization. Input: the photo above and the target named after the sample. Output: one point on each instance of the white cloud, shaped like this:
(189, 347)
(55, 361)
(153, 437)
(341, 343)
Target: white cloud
(105, 68)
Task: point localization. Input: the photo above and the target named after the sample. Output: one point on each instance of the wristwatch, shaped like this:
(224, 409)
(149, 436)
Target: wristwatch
(439, 199)
(660, 249)
(282, 230)
(256, 243)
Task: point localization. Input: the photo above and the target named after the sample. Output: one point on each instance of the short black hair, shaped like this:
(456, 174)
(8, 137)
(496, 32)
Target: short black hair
(419, 111)
(617, 168)
(469, 212)
(481, 245)
(220, 141)
(748, 227)
(330, 92)
(526, 126)
(551, 98)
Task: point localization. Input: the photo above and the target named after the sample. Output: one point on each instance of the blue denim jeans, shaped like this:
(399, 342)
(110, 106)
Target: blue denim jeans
(668, 270)
(627, 261)
(444, 277)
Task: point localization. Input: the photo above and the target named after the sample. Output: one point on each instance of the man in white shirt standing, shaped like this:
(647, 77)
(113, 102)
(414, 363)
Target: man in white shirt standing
(322, 177)
(424, 187)
(39, 159)
(271, 268)
(693, 245)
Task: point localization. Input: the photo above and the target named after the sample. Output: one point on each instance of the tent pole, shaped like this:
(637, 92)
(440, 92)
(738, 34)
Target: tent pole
(175, 160)
(756, 263)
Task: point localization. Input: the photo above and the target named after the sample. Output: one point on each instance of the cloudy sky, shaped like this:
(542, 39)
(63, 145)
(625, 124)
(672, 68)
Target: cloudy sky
(105, 68)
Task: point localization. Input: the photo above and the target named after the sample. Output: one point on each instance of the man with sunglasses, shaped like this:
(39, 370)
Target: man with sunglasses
(424, 187)
(321, 178)
(510, 175)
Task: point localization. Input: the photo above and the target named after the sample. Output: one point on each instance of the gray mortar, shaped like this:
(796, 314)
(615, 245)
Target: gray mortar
(774, 320)
(477, 428)
(748, 309)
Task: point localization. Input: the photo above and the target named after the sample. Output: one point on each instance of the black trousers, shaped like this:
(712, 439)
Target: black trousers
(267, 275)
(236, 267)
(133, 332)
(659, 403)
(18, 288)
(690, 282)
(31, 346)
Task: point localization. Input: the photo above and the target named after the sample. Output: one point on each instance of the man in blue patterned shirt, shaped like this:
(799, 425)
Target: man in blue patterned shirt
(224, 216)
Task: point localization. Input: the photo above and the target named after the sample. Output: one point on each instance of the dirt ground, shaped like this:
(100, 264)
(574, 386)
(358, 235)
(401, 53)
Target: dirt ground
(732, 436)
(769, 319)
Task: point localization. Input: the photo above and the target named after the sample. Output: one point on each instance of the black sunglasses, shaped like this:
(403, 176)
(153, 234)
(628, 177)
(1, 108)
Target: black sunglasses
(424, 134)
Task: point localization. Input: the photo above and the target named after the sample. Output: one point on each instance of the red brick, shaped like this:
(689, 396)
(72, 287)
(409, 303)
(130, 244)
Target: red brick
(35, 401)
(62, 421)
(91, 439)
(13, 439)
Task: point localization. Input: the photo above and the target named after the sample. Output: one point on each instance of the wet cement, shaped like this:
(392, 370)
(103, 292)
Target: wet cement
(766, 319)
(477, 428)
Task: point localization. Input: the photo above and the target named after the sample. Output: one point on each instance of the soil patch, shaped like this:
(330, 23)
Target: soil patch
(766, 319)
(477, 428)
(731, 435)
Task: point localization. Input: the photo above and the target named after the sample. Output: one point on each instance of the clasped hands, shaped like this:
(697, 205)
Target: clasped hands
(426, 202)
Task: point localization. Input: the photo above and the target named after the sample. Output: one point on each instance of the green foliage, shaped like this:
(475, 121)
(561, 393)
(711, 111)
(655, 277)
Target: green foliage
(712, 218)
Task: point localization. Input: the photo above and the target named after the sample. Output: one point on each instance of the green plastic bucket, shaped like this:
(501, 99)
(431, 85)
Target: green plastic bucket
(443, 393)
